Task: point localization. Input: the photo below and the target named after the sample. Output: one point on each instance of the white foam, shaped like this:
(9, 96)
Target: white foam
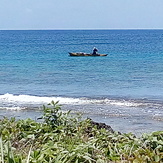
(27, 99)
(124, 103)
(13, 108)
(23, 100)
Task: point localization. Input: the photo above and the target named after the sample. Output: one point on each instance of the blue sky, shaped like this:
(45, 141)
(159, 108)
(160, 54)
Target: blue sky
(81, 14)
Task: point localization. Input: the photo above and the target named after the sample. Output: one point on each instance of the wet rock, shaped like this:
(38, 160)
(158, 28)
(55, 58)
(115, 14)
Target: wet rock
(101, 126)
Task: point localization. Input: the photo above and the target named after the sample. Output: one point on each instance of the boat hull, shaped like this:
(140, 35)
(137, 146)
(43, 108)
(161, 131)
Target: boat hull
(86, 54)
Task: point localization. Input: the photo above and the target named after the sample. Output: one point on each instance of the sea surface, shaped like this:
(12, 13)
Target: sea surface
(123, 89)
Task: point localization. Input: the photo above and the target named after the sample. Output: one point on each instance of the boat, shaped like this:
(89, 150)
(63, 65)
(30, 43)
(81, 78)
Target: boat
(86, 54)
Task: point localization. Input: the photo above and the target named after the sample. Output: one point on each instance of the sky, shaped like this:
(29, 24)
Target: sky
(81, 14)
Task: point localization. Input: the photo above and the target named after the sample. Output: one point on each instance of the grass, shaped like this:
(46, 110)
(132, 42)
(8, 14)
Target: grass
(63, 138)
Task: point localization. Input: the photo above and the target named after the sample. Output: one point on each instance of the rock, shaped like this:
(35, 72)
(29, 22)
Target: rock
(101, 125)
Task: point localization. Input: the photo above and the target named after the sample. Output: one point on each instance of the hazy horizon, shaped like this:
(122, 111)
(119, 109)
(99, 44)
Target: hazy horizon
(80, 15)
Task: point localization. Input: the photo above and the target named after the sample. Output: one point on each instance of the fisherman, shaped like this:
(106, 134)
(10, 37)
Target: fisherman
(95, 50)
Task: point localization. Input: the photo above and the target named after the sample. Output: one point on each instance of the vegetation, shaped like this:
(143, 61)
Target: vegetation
(63, 138)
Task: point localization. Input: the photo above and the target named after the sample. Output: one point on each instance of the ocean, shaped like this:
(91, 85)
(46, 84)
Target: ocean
(123, 89)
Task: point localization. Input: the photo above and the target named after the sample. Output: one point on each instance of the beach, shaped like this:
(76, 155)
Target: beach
(124, 120)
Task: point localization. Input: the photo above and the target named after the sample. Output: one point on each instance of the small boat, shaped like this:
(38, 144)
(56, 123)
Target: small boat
(86, 54)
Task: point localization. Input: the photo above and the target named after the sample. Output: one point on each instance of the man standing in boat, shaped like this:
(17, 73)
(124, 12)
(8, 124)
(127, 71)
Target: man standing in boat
(95, 50)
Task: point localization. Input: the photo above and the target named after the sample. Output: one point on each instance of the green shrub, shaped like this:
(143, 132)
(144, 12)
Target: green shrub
(64, 138)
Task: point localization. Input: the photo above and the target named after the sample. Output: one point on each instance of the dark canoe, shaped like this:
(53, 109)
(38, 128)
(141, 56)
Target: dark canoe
(86, 54)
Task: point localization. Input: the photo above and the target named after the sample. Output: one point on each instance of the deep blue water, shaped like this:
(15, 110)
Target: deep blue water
(35, 68)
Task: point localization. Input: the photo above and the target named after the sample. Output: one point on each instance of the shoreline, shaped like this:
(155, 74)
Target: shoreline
(137, 124)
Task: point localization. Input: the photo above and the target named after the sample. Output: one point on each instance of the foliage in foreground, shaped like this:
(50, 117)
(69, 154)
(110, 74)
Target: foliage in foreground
(63, 138)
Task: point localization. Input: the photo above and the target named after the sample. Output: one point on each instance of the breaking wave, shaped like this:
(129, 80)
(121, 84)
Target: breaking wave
(10, 101)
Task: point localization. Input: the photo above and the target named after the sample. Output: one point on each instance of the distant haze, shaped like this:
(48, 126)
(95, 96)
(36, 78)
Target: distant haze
(81, 14)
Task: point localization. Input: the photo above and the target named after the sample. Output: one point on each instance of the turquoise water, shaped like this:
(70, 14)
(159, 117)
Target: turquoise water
(35, 68)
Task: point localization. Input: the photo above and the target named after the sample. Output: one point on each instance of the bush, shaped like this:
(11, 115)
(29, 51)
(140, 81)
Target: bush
(64, 138)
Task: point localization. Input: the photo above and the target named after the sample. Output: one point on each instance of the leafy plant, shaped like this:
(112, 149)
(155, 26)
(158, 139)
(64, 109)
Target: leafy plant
(62, 137)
